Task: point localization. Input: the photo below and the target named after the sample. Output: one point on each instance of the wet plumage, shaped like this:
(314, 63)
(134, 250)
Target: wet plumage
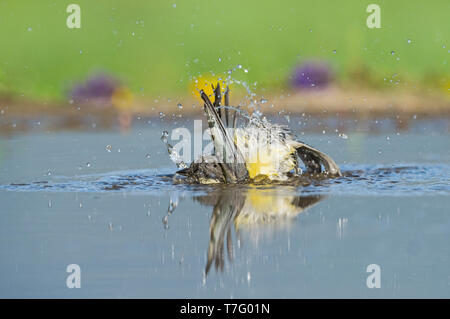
(258, 151)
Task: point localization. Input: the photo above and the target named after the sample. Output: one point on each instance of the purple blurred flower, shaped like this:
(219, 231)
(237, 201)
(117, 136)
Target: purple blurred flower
(312, 75)
(96, 88)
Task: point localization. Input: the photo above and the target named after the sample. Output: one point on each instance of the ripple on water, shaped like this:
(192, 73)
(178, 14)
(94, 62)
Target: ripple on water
(395, 180)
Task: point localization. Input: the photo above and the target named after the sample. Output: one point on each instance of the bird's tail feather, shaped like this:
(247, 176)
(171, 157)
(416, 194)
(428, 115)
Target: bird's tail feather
(232, 161)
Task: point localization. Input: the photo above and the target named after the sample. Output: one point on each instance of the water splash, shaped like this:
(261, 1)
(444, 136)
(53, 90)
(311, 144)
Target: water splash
(173, 154)
(358, 180)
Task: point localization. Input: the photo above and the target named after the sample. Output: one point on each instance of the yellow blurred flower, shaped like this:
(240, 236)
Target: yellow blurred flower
(122, 98)
(446, 87)
(205, 82)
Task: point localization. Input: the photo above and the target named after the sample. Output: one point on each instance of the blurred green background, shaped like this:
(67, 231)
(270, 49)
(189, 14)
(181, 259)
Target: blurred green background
(156, 47)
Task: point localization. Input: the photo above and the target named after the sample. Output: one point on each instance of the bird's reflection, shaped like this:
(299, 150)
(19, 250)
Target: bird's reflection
(245, 207)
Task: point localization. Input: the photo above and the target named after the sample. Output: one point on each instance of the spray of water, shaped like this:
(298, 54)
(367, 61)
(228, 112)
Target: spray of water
(173, 154)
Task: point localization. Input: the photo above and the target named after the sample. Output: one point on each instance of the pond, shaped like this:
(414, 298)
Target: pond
(104, 200)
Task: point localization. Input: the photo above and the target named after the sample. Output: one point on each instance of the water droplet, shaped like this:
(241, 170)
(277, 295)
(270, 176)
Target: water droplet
(392, 52)
(108, 148)
(334, 51)
(164, 136)
(239, 66)
(88, 164)
(204, 279)
(344, 136)
(147, 156)
(180, 106)
(409, 41)
(30, 29)
(245, 70)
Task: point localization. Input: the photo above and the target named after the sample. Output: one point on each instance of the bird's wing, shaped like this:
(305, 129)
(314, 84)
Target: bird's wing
(314, 158)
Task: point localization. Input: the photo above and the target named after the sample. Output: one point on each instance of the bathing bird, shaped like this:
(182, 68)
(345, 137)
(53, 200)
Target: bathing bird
(258, 151)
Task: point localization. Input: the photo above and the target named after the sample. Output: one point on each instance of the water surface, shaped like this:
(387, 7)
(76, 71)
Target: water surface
(65, 199)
